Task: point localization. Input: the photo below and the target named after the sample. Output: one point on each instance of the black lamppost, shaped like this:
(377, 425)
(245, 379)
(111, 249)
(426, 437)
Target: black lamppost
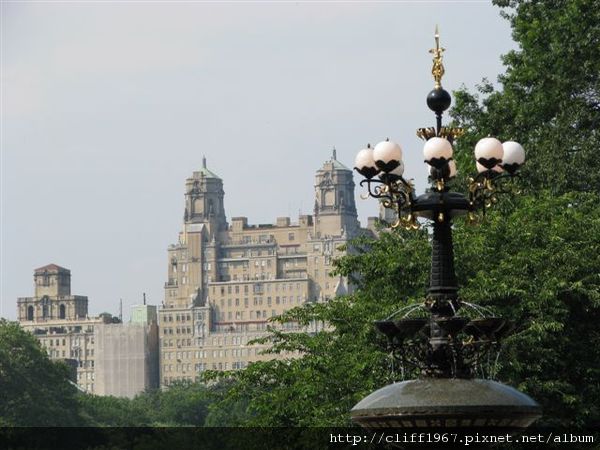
(449, 348)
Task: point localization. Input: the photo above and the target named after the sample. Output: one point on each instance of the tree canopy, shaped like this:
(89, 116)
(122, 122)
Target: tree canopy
(34, 390)
(549, 99)
(525, 263)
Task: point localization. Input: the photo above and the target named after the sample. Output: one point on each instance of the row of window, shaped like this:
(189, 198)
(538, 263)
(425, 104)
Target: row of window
(258, 301)
(263, 276)
(178, 342)
(178, 330)
(204, 354)
(199, 367)
(258, 288)
(85, 376)
(240, 315)
(57, 342)
(182, 317)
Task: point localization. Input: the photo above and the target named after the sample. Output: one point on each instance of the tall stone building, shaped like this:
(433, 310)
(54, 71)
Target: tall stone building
(60, 322)
(225, 280)
(108, 357)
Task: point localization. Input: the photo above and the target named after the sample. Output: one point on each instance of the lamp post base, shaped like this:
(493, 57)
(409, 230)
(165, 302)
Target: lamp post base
(447, 403)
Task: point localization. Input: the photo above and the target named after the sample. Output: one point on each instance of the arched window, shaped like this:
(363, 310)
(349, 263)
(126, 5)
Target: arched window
(30, 313)
(61, 312)
(44, 311)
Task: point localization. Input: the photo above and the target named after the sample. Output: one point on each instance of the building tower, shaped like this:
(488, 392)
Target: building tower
(204, 200)
(335, 209)
(203, 218)
(52, 299)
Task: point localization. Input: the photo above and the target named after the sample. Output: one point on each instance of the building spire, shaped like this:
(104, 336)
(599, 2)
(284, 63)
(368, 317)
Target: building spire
(334, 156)
(203, 161)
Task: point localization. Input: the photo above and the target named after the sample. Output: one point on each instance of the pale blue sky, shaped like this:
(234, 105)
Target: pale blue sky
(107, 107)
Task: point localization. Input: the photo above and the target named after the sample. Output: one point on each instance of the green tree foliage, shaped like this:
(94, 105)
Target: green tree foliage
(34, 390)
(99, 411)
(550, 95)
(537, 263)
(183, 404)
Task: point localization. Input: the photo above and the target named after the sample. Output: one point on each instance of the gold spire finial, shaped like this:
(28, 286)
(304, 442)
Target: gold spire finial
(438, 68)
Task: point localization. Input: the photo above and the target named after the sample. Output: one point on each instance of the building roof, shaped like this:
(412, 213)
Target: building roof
(336, 163)
(52, 268)
(205, 172)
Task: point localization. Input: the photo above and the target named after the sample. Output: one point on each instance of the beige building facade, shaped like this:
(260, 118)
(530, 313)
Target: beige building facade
(226, 280)
(107, 356)
(60, 322)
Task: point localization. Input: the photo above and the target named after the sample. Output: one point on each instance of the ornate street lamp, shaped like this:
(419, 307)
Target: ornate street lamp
(449, 341)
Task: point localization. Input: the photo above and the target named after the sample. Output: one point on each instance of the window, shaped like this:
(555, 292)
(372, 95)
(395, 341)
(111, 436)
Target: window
(291, 236)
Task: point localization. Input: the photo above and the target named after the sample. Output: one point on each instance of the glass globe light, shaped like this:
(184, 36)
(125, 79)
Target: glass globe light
(394, 175)
(387, 155)
(437, 152)
(398, 171)
(489, 152)
(453, 170)
(365, 164)
(514, 156)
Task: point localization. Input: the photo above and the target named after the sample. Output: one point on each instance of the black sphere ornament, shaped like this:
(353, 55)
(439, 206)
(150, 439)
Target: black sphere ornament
(438, 100)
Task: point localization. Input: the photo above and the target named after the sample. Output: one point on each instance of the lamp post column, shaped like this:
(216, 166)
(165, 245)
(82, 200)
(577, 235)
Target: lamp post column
(443, 287)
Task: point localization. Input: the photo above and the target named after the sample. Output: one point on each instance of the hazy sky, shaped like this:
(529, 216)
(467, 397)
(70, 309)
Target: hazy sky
(107, 107)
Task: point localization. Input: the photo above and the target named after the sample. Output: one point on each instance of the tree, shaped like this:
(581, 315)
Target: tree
(34, 390)
(107, 411)
(525, 263)
(183, 404)
(539, 265)
(549, 99)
